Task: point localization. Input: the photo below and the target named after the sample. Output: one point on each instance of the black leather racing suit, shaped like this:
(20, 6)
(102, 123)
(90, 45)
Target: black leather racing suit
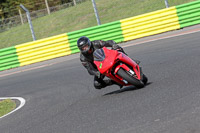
(87, 62)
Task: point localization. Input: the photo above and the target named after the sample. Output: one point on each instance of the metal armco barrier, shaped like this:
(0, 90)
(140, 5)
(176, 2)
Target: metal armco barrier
(124, 30)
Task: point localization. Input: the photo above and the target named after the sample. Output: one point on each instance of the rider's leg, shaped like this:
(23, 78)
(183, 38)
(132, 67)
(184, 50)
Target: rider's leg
(100, 83)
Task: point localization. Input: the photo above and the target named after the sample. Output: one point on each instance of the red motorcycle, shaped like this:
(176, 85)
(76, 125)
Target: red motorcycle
(119, 67)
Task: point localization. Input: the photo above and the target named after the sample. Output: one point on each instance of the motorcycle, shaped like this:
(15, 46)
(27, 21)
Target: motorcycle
(119, 67)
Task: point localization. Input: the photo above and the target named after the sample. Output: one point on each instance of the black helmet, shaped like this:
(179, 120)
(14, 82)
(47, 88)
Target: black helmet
(84, 44)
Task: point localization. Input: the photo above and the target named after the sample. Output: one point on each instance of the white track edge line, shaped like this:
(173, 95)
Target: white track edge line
(22, 103)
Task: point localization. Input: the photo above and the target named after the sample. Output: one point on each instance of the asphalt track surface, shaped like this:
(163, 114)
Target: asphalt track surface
(60, 97)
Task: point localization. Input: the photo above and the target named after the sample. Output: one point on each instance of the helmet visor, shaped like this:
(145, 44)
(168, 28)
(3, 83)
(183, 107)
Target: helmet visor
(85, 47)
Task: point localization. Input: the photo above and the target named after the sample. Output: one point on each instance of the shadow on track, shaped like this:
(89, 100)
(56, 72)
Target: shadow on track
(125, 89)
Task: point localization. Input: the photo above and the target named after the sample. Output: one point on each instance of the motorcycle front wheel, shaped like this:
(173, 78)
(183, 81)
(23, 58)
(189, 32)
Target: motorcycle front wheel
(126, 76)
(144, 79)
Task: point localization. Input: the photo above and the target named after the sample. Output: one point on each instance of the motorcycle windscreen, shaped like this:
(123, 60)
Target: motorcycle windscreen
(104, 59)
(99, 55)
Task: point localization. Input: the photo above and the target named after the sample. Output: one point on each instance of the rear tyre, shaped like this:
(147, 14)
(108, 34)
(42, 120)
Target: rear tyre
(124, 74)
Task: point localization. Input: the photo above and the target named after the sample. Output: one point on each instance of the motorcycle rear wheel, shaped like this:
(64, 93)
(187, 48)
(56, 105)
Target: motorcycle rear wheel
(126, 76)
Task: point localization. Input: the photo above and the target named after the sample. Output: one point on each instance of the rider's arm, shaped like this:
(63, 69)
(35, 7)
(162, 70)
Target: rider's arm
(101, 44)
(90, 68)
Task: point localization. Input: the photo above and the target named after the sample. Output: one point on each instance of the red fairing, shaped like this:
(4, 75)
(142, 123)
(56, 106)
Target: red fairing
(121, 66)
(108, 62)
(111, 58)
(127, 60)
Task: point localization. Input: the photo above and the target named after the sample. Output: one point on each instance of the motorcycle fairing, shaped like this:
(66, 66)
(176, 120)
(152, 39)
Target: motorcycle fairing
(128, 61)
(109, 59)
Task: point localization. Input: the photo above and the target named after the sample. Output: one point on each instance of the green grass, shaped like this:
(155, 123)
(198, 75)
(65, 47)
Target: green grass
(81, 16)
(6, 106)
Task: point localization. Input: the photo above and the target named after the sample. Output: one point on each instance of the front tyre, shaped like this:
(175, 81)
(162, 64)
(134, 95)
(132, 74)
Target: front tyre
(144, 79)
(126, 76)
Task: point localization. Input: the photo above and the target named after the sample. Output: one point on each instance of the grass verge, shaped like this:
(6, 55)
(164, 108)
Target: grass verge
(80, 17)
(6, 106)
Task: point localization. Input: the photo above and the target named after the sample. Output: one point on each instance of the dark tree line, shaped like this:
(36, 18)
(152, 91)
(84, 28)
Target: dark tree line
(9, 8)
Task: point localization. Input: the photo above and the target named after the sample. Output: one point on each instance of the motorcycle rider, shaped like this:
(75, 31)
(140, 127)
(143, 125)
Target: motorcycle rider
(87, 48)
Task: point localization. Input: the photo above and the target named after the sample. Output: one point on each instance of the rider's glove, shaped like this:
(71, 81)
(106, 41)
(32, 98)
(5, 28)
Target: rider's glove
(116, 47)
